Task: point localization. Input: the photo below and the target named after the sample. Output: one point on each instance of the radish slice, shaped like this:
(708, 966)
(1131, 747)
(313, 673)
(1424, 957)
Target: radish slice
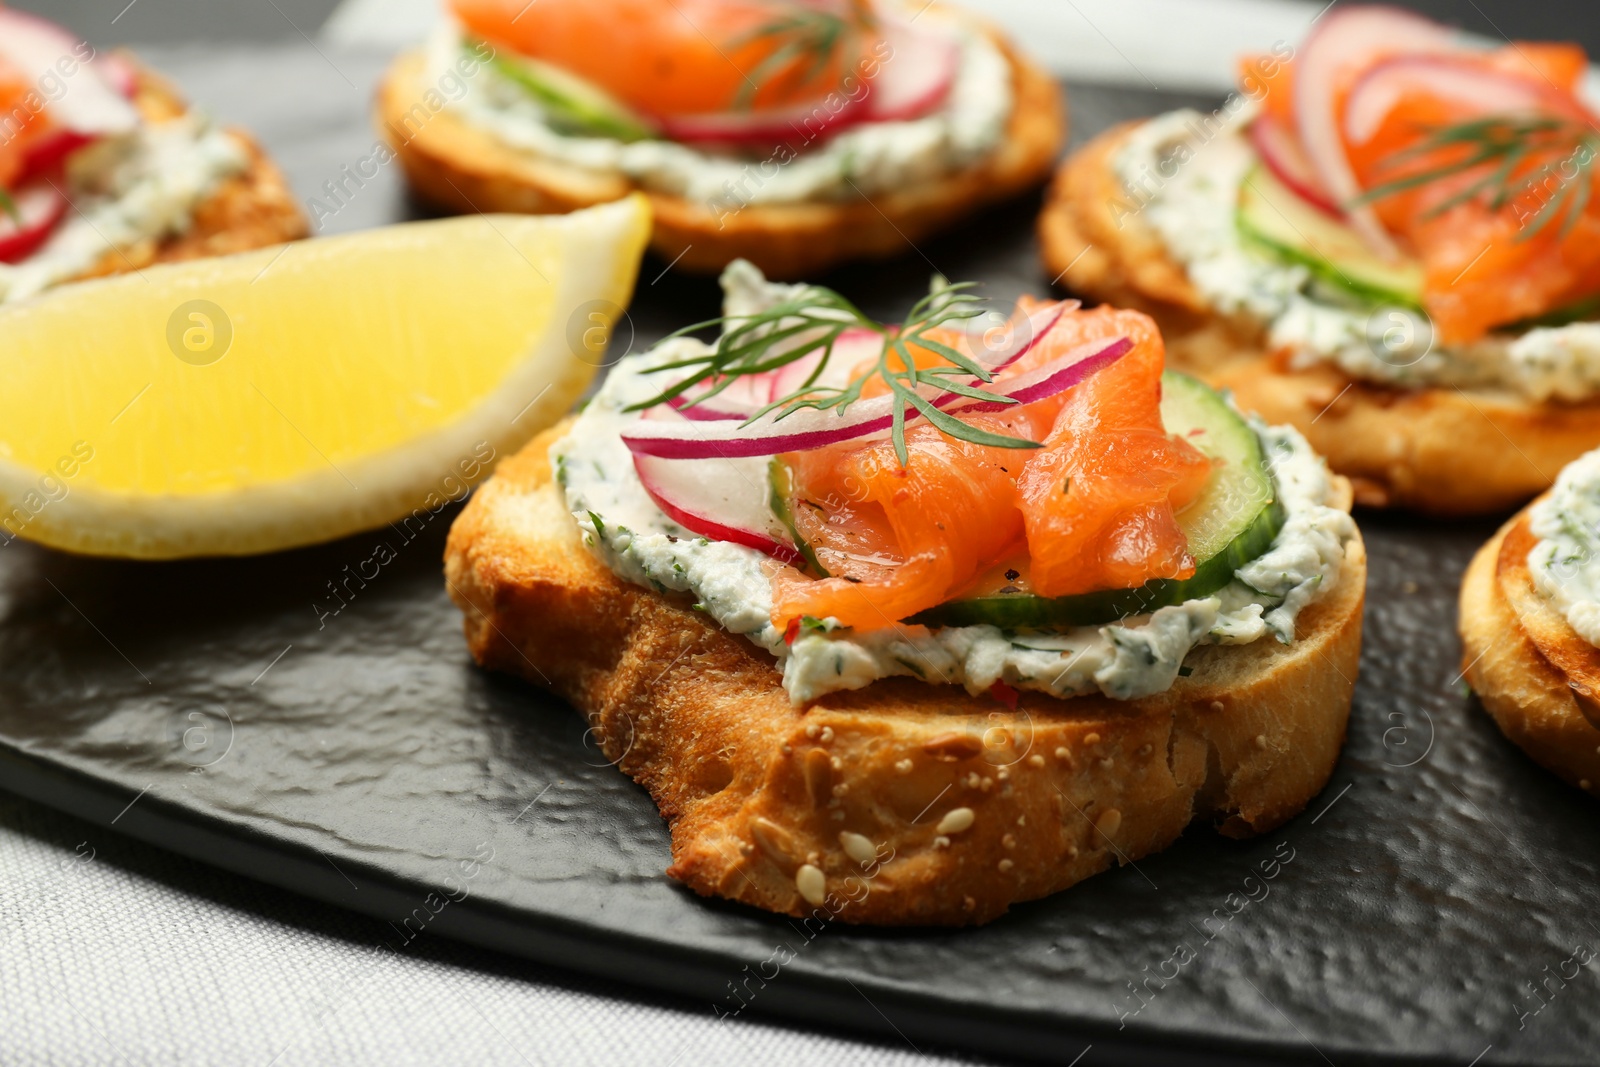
(89, 104)
(119, 74)
(46, 154)
(41, 208)
(1282, 155)
(1343, 42)
(767, 128)
(1467, 85)
(690, 491)
(735, 491)
(809, 428)
(918, 75)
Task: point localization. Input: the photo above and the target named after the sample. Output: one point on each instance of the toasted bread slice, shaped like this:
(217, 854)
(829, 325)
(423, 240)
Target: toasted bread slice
(252, 209)
(754, 788)
(465, 169)
(1439, 450)
(1534, 673)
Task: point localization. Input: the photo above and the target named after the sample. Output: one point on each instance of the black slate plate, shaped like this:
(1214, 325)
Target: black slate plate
(1424, 909)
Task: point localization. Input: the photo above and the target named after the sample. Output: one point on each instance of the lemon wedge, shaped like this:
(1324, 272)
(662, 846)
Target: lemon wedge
(301, 393)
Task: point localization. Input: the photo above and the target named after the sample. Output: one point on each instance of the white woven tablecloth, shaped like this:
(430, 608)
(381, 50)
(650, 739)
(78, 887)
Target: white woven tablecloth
(112, 952)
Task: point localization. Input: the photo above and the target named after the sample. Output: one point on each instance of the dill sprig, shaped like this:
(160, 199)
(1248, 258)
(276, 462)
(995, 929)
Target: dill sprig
(812, 321)
(1499, 146)
(806, 38)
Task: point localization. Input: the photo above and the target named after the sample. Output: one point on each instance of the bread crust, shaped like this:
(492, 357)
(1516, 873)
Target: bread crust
(1528, 667)
(464, 169)
(252, 209)
(752, 787)
(1443, 451)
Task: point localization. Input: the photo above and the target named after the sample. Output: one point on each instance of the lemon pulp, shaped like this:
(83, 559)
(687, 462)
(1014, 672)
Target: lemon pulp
(304, 392)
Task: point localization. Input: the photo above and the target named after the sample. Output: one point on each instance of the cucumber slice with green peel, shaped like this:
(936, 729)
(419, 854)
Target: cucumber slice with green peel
(1274, 220)
(572, 105)
(1240, 489)
(781, 482)
(1233, 521)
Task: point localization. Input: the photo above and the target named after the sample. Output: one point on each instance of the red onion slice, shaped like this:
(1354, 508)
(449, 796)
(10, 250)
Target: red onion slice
(809, 429)
(1343, 41)
(768, 436)
(1021, 342)
(853, 348)
(1057, 376)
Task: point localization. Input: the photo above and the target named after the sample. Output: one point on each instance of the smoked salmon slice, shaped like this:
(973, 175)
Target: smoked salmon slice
(1491, 256)
(1099, 501)
(898, 540)
(686, 57)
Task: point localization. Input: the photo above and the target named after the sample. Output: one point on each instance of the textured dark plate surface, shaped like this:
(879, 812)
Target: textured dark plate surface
(1424, 908)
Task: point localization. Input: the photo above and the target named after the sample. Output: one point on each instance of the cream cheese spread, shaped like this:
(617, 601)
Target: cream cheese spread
(867, 158)
(1137, 657)
(1184, 175)
(126, 190)
(1566, 561)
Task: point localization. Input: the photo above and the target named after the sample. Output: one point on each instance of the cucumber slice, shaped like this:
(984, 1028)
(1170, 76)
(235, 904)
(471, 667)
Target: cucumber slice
(1233, 521)
(572, 105)
(1273, 219)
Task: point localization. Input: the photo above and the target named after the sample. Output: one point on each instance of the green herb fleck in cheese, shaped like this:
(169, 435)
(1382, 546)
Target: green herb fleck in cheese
(1566, 560)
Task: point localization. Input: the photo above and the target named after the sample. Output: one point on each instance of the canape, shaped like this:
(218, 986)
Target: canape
(1530, 626)
(911, 623)
(795, 133)
(105, 170)
(1386, 238)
